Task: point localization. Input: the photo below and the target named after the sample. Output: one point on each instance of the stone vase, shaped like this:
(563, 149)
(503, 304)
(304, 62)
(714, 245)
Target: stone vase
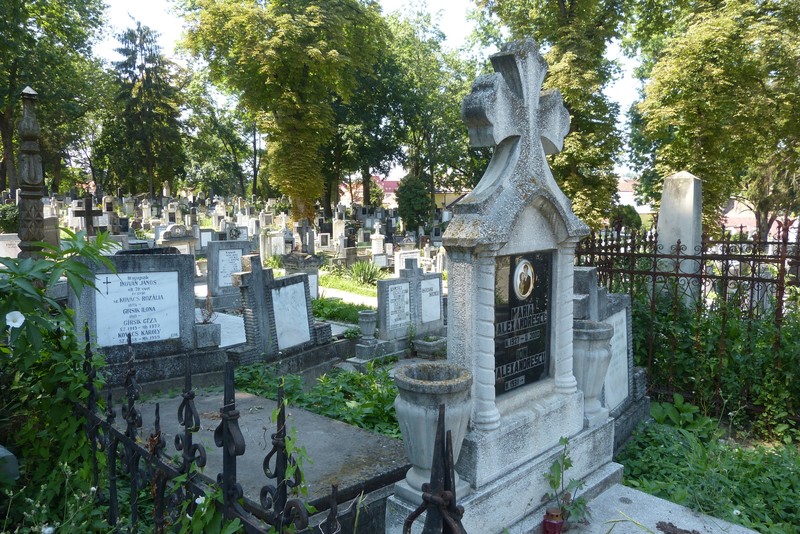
(422, 388)
(592, 355)
(436, 347)
(367, 320)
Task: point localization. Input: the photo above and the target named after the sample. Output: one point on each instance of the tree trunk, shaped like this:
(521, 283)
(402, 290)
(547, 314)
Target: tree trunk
(56, 183)
(366, 181)
(255, 160)
(7, 137)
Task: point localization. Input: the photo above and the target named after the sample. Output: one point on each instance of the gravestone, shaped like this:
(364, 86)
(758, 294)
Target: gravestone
(410, 305)
(150, 297)
(224, 259)
(680, 218)
(400, 257)
(625, 386)
(277, 313)
(9, 245)
(510, 248)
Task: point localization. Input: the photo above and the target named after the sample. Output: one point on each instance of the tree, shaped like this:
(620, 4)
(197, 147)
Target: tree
(366, 138)
(143, 137)
(723, 102)
(435, 81)
(414, 204)
(217, 145)
(286, 60)
(46, 45)
(575, 34)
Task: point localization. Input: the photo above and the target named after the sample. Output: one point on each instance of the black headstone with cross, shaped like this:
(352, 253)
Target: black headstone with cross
(88, 213)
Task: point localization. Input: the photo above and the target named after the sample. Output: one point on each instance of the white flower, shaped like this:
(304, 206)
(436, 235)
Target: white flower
(15, 319)
(45, 530)
(737, 512)
(200, 500)
(92, 490)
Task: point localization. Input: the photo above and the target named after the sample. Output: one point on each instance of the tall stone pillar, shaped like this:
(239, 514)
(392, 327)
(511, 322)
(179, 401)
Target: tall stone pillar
(31, 179)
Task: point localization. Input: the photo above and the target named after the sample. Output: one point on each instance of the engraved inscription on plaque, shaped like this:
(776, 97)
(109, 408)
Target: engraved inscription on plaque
(145, 305)
(230, 261)
(430, 300)
(399, 312)
(522, 320)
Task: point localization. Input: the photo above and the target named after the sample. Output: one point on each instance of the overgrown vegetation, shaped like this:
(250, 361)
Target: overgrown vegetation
(682, 457)
(9, 219)
(365, 400)
(340, 278)
(337, 310)
(724, 362)
(42, 373)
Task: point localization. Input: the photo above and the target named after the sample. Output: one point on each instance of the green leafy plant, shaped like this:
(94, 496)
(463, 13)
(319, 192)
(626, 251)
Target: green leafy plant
(365, 273)
(352, 333)
(563, 492)
(755, 486)
(363, 399)
(9, 219)
(337, 310)
(42, 372)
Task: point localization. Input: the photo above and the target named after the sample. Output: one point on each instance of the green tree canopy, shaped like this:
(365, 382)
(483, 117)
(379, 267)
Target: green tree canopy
(45, 44)
(141, 140)
(286, 60)
(414, 204)
(575, 34)
(723, 102)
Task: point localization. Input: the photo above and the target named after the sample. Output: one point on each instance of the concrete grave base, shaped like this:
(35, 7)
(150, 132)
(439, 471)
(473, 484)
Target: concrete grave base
(514, 501)
(166, 367)
(524, 434)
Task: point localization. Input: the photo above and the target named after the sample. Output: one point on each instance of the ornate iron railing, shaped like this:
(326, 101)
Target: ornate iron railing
(175, 487)
(733, 274)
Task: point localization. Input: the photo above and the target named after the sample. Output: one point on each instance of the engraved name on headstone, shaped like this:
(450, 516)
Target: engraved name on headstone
(430, 300)
(230, 261)
(522, 320)
(145, 305)
(399, 311)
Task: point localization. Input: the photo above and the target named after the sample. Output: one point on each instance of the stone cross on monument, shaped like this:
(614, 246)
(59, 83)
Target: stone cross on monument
(503, 214)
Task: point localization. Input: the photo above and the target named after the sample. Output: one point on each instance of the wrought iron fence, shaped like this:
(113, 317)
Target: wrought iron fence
(735, 275)
(176, 487)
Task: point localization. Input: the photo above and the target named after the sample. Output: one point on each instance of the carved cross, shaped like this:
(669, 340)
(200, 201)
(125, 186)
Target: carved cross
(508, 107)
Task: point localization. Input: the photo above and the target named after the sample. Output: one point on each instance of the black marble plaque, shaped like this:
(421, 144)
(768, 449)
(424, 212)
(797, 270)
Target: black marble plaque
(522, 320)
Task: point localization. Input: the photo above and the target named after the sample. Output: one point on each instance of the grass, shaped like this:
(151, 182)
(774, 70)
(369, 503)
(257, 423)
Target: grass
(337, 310)
(345, 284)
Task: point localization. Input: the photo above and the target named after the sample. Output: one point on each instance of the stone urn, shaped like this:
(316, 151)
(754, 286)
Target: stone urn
(592, 354)
(422, 388)
(431, 347)
(367, 320)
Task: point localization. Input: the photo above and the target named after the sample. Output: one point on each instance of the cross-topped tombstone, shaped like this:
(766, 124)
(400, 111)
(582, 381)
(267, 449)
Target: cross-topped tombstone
(510, 246)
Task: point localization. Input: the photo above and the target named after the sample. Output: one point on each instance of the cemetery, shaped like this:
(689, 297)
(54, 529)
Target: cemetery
(244, 325)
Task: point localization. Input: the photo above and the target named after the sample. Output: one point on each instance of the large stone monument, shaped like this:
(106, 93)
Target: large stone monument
(510, 247)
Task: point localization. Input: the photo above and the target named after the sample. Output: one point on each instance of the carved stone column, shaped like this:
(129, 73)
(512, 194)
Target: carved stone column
(31, 180)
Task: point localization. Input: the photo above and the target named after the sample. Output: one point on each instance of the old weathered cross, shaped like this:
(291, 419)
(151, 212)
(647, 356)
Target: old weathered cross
(508, 110)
